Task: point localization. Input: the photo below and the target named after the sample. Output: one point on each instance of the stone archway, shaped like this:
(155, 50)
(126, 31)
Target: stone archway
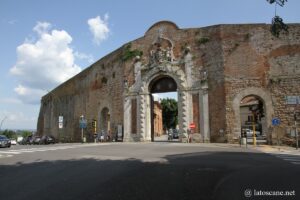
(264, 96)
(177, 75)
(137, 102)
(160, 84)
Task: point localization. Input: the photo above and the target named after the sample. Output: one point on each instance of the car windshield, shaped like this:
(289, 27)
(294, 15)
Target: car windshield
(3, 137)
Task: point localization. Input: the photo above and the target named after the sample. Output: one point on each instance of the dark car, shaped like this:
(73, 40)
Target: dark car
(4, 141)
(36, 140)
(175, 134)
(47, 139)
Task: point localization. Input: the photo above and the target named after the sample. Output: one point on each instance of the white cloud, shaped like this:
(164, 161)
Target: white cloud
(43, 64)
(99, 28)
(29, 95)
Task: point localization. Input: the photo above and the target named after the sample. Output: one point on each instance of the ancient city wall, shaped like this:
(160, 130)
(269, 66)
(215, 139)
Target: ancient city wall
(256, 63)
(227, 62)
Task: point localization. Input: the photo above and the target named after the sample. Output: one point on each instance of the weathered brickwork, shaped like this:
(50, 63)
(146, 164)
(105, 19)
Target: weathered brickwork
(214, 68)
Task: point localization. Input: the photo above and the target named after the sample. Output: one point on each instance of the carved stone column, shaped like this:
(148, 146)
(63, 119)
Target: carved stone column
(183, 111)
(204, 115)
(144, 117)
(127, 119)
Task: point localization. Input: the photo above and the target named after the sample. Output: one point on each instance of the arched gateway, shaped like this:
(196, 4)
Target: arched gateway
(164, 74)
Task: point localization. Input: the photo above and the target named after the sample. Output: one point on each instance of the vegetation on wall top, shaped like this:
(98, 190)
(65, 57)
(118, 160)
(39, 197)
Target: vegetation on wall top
(129, 54)
(202, 40)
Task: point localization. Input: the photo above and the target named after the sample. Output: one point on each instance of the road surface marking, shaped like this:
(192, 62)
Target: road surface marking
(293, 158)
(12, 152)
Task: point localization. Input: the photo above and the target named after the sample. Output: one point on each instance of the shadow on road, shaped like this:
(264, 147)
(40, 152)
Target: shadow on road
(207, 175)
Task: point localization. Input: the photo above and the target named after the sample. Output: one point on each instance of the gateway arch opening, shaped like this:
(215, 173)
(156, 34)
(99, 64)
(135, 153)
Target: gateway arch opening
(253, 119)
(164, 109)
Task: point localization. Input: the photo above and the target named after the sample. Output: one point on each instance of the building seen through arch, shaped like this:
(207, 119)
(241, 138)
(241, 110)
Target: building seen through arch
(220, 74)
(252, 115)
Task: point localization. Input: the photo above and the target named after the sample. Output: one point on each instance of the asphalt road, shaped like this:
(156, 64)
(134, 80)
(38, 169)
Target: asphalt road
(144, 171)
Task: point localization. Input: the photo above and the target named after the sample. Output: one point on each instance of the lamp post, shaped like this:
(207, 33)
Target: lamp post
(2, 122)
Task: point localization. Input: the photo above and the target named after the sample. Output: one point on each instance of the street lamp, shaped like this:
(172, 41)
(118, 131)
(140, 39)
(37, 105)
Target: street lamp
(2, 122)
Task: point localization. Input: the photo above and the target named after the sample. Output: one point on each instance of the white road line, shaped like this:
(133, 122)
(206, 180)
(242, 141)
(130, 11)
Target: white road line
(296, 163)
(10, 153)
(7, 152)
(291, 159)
(294, 159)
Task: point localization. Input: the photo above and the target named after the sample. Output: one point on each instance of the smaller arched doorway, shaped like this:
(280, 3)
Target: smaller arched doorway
(253, 118)
(105, 120)
(164, 110)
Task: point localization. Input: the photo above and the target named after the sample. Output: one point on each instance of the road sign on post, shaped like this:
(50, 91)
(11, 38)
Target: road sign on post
(275, 121)
(60, 122)
(192, 125)
(82, 125)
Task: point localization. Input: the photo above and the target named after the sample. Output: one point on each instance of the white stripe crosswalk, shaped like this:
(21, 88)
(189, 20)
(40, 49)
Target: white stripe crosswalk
(293, 158)
(13, 152)
(288, 154)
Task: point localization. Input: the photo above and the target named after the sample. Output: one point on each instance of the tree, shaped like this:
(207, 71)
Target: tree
(169, 113)
(277, 22)
(26, 134)
(9, 134)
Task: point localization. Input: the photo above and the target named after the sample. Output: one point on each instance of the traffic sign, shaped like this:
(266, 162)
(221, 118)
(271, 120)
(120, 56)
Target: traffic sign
(60, 122)
(83, 123)
(60, 125)
(275, 121)
(192, 125)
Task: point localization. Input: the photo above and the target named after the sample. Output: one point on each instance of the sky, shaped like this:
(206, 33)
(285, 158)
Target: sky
(44, 43)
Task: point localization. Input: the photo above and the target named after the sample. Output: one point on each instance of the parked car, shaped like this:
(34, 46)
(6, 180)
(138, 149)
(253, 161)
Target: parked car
(19, 139)
(47, 139)
(36, 140)
(26, 140)
(249, 132)
(13, 141)
(175, 134)
(4, 141)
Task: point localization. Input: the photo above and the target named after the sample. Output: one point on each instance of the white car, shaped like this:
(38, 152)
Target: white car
(249, 133)
(13, 142)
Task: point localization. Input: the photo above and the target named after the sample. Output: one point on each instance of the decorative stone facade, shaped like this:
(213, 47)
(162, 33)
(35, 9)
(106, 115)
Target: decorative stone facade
(214, 68)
